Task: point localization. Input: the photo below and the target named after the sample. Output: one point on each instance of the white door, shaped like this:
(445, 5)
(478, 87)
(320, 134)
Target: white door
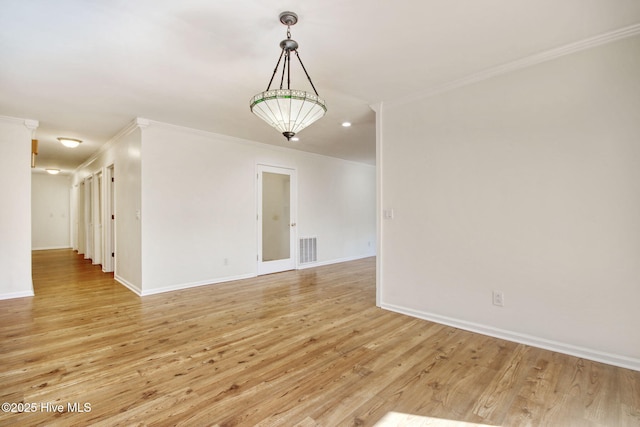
(97, 219)
(108, 222)
(276, 219)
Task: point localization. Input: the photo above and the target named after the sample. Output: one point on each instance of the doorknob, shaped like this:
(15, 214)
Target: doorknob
(293, 224)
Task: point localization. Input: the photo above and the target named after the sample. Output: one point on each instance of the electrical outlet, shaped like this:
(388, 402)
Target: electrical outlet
(226, 261)
(498, 298)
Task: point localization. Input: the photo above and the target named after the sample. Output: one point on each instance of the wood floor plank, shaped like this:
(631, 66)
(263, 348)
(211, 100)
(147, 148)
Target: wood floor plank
(306, 348)
(495, 402)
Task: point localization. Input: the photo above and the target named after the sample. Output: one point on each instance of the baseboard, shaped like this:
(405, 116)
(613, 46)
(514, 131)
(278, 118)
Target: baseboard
(12, 295)
(127, 285)
(182, 286)
(333, 261)
(581, 352)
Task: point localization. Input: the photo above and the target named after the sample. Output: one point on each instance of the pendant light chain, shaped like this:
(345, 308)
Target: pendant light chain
(305, 72)
(275, 70)
(288, 63)
(288, 110)
(286, 68)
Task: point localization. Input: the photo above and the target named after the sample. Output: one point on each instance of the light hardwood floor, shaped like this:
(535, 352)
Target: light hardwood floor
(301, 348)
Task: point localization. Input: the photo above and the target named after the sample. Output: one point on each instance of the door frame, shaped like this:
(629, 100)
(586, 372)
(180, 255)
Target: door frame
(108, 222)
(268, 267)
(88, 217)
(80, 218)
(97, 212)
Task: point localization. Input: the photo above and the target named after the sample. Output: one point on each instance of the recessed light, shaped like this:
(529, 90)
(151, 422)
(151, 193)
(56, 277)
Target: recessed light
(69, 142)
(346, 124)
(53, 171)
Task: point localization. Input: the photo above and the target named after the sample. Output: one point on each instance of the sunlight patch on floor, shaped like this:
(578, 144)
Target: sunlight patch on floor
(397, 419)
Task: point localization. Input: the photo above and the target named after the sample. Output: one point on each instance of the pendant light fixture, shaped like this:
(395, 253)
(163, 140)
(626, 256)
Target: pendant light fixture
(288, 110)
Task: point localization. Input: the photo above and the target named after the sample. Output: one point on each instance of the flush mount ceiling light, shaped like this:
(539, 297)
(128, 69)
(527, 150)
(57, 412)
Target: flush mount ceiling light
(53, 171)
(288, 110)
(69, 142)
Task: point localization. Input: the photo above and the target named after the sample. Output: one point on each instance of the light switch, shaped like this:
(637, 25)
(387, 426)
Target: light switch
(388, 214)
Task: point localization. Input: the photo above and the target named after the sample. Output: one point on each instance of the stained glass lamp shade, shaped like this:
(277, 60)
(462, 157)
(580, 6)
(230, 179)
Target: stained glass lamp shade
(288, 110)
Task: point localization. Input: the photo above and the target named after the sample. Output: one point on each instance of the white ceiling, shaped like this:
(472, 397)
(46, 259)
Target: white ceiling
(86, 69)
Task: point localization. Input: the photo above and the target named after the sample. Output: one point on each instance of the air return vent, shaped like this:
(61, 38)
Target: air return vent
(308, 250)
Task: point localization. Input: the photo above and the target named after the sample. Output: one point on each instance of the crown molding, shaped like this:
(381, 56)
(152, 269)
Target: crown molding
(28, 123)
(376, 107)
(137, 123)
(519, 64)
(141, 123)
(31, 124)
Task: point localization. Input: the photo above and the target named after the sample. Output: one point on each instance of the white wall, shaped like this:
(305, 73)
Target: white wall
(337, 203)
(195, 193)
(528, 183)
(199, 206)
(50, 211)
(15, 213)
